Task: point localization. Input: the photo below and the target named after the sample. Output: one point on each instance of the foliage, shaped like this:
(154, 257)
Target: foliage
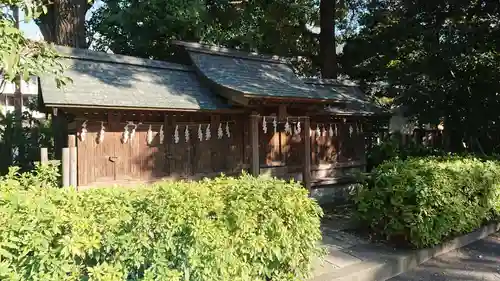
(219, 229)
(423, 201)
(440, 59)
(20, 57)
(277, 27)
(44, 175)
(22, 148)
(393, 148)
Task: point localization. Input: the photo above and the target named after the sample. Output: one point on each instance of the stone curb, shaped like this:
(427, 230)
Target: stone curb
(381, 270)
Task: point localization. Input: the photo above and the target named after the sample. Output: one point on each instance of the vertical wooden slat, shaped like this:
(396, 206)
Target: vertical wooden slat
(65, 166)
(254, 135)
(307, 154)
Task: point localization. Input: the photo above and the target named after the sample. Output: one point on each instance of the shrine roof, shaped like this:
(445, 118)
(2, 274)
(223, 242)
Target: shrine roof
(253, 75)
(116, 81)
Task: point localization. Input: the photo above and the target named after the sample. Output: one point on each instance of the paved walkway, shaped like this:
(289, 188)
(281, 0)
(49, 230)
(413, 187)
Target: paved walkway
(346, 252)
(352, 258)
(479, 261)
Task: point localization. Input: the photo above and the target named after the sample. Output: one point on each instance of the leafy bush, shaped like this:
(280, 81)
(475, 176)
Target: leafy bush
(423, 201)
(393, 148)
(222, 229)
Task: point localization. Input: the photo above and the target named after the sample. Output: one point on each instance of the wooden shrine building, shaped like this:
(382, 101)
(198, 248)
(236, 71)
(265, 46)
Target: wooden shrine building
(218, 111)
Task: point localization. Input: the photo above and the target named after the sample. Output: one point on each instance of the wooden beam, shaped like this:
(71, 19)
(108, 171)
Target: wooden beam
(254, 137)
(306, 176)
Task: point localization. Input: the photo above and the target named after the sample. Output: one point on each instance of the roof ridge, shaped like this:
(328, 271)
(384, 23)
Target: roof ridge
(90, 55)
(332, 82)
(227, 52)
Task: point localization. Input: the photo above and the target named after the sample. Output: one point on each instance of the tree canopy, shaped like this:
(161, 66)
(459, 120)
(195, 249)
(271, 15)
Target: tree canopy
(280, 27)
(20, 57)
(440, 59)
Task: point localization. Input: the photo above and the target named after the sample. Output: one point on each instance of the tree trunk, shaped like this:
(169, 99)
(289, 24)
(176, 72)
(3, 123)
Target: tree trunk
(327, 50)
(64, 23)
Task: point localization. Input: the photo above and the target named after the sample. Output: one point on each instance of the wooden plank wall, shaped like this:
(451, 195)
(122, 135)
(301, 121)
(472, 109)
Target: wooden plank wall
(136, 160)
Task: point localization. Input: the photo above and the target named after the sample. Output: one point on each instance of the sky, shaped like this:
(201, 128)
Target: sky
(32, 31)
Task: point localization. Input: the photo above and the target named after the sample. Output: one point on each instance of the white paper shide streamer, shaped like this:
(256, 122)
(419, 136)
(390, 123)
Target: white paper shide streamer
(176, 134)
(275, 125)
(220, 133)
(186, 133)
(132, 133)
(228, 133)
(318, 131)
(323, 132)
(330, 131)
(298, 129)
(200, 133)
(288, 129)
(101, 133)
(83, 131)
(149, 135)
(125, 134)
(264, 125)
(351, 130)
(208, 134)
(336, 131)
(162, 134)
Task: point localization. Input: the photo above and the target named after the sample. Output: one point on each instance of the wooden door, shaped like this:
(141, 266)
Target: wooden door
(113, 161)
(95, 160)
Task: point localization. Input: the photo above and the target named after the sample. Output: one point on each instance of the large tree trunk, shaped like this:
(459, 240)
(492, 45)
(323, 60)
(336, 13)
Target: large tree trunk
(327, 51)
(64, 23)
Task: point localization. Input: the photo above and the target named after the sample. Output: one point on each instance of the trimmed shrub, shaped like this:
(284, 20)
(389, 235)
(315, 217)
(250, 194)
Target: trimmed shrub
(423, 201)
(227, 228)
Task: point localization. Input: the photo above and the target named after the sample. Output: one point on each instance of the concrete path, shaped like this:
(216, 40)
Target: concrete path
(351, 258)
(346, 251)
(479, 261)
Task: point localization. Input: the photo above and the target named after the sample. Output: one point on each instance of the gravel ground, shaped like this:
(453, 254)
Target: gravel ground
(479, 261)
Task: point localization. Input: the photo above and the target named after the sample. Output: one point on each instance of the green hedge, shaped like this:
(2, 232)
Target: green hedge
(423, 201)
(223, 229)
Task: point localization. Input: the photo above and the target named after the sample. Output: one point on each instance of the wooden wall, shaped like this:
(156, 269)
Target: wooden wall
(113, 161)
(332, 157)
(280, 154)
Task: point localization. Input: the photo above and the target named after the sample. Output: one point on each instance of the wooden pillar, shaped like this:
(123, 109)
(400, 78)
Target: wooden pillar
(214, 143)
(188, 163)
(65, 167)
(73, 167)
(44, 155)
(168, 132)
(60, 131)
(254, 141)
(306, 176)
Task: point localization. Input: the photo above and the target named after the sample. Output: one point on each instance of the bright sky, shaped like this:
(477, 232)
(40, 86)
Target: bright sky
(33, 32)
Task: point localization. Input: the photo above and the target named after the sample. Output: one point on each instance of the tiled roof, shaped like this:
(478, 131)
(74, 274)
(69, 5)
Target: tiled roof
(252, 75)
(108, 80)
(355, 101)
